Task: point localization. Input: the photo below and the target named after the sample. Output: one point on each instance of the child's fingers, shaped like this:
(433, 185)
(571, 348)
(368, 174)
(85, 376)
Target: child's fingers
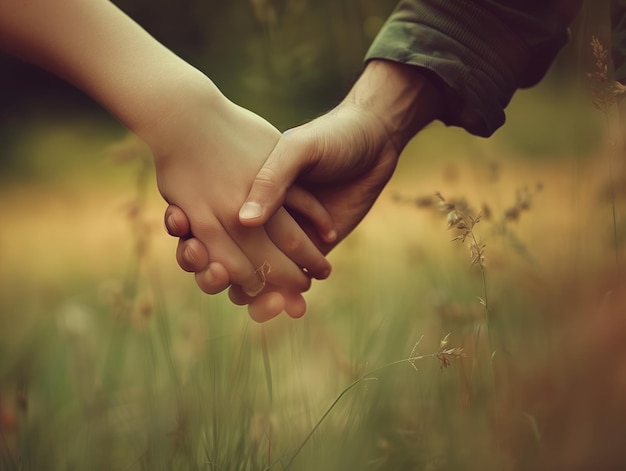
(176, 222)
(249, 257)
(213, 276)
(238, 297)
(309, 206)
(246, 257)
(214, 279)
(192, 255)
(227, 260)
(289, 237)
(266, 306)
(295, 305)
(270, 262)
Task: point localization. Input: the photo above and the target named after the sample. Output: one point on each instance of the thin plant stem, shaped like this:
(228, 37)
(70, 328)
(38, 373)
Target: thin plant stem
(605, 92)
(268, 380)
(485, 303)
(9, 458)
(458, 219)
(612, 192)
(365, 377)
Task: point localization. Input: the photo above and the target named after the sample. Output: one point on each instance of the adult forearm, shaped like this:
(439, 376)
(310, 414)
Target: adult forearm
(403, 97)
(483, 50)
(95, 46)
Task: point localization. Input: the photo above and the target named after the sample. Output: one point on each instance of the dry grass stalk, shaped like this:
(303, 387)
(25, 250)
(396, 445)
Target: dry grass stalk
(465, 223)
(604, 90)
(444, 354)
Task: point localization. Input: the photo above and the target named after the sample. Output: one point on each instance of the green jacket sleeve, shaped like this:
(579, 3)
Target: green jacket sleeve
(482, 51)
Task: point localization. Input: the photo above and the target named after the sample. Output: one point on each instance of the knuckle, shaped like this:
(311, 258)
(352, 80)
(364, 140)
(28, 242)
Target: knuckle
(268, 179)
(293, 246)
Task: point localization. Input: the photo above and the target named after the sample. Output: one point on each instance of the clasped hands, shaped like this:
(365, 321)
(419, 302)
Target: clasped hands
(255, 210)
(265, 225)
(260, 211)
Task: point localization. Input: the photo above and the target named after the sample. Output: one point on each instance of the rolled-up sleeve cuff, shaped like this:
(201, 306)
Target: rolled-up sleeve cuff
(478, 59)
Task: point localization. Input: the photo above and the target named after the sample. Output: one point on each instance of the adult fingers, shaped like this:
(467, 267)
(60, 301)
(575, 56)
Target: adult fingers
(302, 201)
(286, 234)
(241, 258)
(270, 262)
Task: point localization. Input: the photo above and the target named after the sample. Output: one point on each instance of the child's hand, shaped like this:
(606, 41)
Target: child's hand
(207, 150)
(206, 160)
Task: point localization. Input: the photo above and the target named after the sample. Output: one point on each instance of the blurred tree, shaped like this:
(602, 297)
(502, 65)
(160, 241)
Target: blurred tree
(288, 60)
(305, 45)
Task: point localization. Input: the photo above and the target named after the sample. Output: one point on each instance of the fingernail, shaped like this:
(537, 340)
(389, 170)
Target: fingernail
(331, 235)
(250, 211)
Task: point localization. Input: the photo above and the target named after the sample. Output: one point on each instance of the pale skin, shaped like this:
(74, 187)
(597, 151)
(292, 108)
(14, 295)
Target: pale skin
(207, 150)
(344, 158)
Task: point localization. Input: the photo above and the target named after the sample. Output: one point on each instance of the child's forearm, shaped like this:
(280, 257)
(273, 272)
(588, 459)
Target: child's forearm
(96, 47)
(203, 163)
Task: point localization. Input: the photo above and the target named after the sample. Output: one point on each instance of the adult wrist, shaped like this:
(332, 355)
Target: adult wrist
(403, 97)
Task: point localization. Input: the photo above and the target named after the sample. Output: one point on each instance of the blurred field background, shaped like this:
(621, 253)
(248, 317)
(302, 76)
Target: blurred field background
(111, 358)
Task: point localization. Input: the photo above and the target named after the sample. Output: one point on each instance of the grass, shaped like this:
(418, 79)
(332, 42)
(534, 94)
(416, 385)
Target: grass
(111, 359)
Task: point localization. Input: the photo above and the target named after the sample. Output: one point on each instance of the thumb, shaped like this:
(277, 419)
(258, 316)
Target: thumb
(280, 170)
